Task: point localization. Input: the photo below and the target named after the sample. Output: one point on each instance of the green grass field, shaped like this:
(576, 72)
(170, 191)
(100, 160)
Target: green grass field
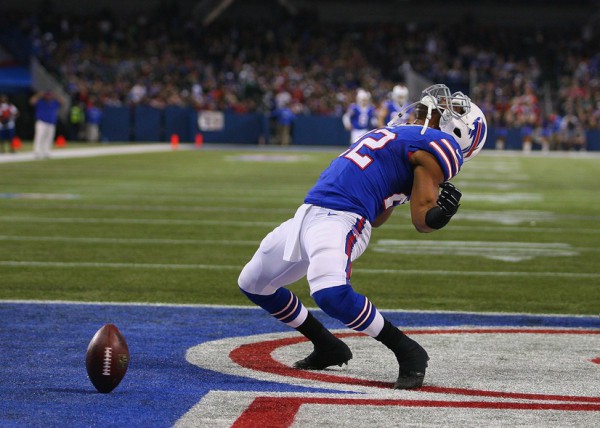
(178, 227)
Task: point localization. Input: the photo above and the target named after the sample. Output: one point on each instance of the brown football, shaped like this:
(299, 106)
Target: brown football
(107, 358)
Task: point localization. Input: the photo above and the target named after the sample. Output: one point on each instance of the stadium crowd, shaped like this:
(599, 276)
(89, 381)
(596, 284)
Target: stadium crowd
(549, 85)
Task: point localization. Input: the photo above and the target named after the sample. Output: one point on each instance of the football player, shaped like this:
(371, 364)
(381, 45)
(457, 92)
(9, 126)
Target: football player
(359, 190)
(8, 115)
(360, 116)
(398, 99)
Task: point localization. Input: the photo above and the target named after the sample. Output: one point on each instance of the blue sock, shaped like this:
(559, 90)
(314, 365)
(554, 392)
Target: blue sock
(351, 308)
(283, 305)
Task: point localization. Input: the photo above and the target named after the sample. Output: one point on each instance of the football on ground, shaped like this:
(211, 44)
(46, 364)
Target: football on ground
(107, 358)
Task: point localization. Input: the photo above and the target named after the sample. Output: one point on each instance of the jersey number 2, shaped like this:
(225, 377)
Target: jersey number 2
(364, 161)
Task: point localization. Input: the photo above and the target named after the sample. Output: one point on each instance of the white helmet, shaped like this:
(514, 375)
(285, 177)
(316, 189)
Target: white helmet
(400, 94)
(438, 97)
(363, 97)
(470, 130)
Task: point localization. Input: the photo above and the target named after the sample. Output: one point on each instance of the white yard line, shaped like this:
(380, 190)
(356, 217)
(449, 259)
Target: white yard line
(142, 241)
(176, 266)
(170, 221)
(226, 242)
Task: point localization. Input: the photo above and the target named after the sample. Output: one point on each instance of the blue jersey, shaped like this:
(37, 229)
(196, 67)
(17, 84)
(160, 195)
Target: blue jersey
(361, 117)
(93, 115)
(393, 109)
(47, 110)
(375, 172)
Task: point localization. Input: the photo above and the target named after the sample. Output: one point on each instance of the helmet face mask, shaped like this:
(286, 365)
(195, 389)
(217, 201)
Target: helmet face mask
(460, 117)
(438, 97)
(469, 130)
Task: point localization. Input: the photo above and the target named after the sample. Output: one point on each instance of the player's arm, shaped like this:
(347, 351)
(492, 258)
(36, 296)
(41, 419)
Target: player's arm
(382, 113)
(431, 210)
(383, 217)
(347, 119)
(35, 97)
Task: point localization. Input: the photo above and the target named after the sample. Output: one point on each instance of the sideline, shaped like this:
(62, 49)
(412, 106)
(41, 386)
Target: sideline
(136, 148)
(94, 151)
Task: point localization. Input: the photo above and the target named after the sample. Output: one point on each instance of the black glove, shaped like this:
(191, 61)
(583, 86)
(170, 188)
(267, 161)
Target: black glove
(449, 199)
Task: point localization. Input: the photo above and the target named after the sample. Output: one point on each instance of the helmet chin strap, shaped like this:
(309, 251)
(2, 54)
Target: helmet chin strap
(431, 103)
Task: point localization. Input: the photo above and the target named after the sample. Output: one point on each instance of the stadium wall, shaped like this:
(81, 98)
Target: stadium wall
(143, 124)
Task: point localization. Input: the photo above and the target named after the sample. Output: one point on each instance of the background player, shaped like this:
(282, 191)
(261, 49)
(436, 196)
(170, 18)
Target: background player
(47, 104)
(360, 116)
(8, 116)
(390, 108)
(384, 168)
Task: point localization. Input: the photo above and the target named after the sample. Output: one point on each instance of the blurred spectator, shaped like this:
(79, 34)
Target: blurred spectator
(93, 117)
(546, 133)
(571, 133)
(284, 117)
(156, 61)
(8, 116)
(76, 120)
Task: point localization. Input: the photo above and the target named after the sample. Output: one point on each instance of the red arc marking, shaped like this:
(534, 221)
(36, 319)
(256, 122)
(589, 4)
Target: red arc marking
(257, 356)
(279, 412)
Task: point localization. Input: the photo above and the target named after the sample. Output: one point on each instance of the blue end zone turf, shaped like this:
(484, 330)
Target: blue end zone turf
(43, 381)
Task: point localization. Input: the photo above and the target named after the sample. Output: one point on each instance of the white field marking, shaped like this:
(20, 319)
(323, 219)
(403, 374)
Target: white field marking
(478, 184)
(174, 266)
(504, 198)
(507, 217)
(528, 363)
(83, 220)
(265, 196)
(76, 265)
(505, 251)
(155, 208)
(503, 362)
(45, 196)
(390, 226)
(221, 409)
(510, 217)
(267, 158)
(253, 307)
(493, 177)
(149, 241)
(97, 151)
(160, 241)
(505, 167)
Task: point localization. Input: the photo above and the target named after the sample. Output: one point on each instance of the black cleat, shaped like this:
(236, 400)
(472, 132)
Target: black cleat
(410, 379)
(413, 363)
(321, 358)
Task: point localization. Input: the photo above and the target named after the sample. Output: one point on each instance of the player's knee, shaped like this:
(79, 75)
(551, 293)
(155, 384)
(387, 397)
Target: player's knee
(249, 276)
